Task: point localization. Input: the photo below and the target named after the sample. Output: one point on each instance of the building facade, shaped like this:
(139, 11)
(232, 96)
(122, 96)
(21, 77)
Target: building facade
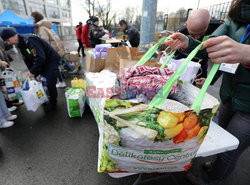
(57, 11)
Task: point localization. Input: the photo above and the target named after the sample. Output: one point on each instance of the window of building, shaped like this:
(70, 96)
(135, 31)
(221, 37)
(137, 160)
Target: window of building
(16, 6)
(51, 1)
(65, 13)
(52, 12)
(64, 3)
(36, 7)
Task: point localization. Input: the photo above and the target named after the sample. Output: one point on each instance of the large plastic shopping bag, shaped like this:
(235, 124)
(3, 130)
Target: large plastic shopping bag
(33, 94)
(75, 98)
(10, 84)
(162, 136)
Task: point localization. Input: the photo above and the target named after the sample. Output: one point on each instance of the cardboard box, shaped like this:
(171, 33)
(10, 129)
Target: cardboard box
(92, 64)
(114, 56)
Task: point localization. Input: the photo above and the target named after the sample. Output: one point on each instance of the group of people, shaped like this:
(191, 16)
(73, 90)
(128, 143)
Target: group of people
(41, 53)
(90, 34)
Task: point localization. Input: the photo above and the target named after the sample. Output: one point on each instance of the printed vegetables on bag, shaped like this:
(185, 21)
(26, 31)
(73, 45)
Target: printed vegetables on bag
(152, 123)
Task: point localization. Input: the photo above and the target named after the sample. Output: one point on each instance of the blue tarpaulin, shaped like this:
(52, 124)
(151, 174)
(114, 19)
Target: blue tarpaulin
(8, 17)
(22, 25)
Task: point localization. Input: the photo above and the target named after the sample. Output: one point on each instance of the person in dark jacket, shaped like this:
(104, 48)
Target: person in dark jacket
(132, 33)
(40, 58)
(95, 32)
(198, 26)
(230, 43)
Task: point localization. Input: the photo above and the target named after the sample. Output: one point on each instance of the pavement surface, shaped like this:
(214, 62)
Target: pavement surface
(53, 149)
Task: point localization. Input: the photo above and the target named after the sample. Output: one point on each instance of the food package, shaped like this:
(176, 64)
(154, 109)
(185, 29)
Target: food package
(78, 83)
(190, 72)
(75, 98)
(102, 47)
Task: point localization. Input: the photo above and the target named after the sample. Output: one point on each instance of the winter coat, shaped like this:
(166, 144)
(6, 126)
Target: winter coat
(43, 29)
(78, 31)
(235, 87)
(38, 55)
(133, 36)
(85, 35)
(95, 34)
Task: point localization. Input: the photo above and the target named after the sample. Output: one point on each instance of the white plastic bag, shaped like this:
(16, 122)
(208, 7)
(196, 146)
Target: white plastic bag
(33, 94)
(190, 72)
(10, 84)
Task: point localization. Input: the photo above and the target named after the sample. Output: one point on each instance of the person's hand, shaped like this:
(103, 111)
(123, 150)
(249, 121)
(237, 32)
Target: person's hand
(179, 41)
(38, 78)
(4, 64)
(199, 82)
(223, 49)
(30, 75)
(84, 45)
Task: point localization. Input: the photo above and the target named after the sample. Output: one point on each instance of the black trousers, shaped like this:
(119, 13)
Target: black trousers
(9, 103)
(238, 124)
(51, 77)
(80, 47)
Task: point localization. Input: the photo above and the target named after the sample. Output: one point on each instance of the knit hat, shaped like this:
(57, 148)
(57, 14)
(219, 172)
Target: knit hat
(94, 19)
(7, 33)
(89, 21)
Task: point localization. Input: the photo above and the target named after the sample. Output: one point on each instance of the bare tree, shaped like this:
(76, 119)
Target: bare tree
(129, 15)
(102, 10)
(90, 7)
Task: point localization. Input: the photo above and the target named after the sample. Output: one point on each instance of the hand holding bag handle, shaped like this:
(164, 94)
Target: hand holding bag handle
(162, 95)
(151, 51)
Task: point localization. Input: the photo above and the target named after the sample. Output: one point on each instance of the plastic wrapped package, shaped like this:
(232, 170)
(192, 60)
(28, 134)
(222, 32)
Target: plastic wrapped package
(75, 98)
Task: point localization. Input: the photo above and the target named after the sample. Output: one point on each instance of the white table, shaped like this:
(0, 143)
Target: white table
(216, 141)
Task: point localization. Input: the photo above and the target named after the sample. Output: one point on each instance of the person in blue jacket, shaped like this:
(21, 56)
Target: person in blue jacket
(40, 58)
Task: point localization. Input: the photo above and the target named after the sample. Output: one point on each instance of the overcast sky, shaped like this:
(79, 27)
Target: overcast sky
(167, 6)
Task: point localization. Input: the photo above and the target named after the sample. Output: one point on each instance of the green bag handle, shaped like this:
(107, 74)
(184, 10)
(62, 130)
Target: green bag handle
(173, 52)
(151, 51)
(168, 59)
(198, 101)
(162, 95)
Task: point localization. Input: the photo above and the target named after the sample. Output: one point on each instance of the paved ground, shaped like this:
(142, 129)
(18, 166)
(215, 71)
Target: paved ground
(52, 149)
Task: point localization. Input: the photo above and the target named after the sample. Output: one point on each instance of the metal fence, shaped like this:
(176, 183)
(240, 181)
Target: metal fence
(173, 22)
(219, 11)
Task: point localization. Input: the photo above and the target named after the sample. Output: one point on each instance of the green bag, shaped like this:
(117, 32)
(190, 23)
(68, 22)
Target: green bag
(75, 98)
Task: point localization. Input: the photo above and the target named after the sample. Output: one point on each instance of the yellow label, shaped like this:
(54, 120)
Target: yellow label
(39, 94)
